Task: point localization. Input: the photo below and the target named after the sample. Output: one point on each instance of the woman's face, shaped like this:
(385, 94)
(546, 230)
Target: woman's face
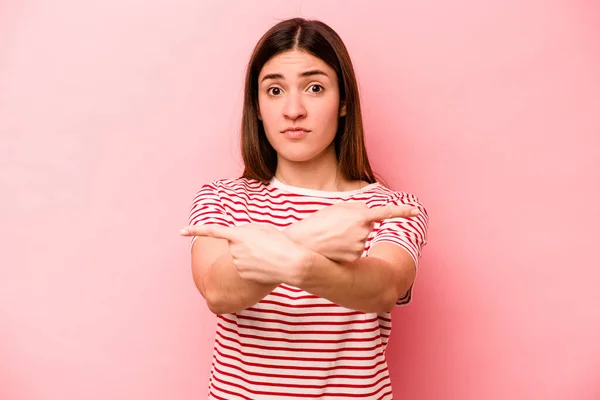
(299, 105)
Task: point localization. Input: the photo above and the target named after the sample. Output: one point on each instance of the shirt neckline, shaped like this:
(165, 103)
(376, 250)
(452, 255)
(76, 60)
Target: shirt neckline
(276, 183)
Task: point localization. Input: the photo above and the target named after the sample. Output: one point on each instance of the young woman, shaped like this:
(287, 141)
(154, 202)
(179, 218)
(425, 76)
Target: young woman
(304, 256)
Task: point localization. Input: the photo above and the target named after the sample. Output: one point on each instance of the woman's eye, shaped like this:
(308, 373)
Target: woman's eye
(275, 91)
(316, 88)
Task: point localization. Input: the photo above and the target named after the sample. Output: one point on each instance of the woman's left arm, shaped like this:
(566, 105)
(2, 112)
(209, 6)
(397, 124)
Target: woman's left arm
(369, 284)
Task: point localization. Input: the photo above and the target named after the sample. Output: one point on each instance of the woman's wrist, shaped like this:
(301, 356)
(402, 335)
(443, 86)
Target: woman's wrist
(299, 233)
(299, 269)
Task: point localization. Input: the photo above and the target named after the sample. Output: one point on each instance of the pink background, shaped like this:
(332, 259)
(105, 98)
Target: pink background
(113, 113)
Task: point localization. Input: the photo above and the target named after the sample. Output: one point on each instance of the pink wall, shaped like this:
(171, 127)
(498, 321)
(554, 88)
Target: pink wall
(112, 113)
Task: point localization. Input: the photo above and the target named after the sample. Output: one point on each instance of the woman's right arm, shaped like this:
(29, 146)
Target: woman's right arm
(218, 281)
(213, 271)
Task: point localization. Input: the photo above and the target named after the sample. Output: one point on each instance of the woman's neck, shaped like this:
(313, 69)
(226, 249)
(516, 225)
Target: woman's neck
(318, 174)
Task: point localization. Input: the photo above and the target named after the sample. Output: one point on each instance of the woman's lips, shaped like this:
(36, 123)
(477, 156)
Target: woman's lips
(295, 133)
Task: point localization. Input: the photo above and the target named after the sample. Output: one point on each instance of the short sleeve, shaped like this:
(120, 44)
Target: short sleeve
(207, 208)
(408, 233)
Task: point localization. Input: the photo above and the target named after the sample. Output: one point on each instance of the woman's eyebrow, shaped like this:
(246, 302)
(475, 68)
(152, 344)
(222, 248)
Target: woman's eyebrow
(311, 72)
(272, 76)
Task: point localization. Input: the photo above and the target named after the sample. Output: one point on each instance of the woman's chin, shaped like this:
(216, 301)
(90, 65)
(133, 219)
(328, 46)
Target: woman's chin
(303, 152)
(297, 158)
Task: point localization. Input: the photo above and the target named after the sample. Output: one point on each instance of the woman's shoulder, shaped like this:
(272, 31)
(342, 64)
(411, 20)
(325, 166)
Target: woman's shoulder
(233, 186)
(381, 195)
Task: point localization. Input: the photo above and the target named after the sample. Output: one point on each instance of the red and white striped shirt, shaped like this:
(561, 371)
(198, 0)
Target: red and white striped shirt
(292, 344)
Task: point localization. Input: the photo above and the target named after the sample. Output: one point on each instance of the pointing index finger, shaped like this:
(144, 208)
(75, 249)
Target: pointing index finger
(391, 211)
(214, 231)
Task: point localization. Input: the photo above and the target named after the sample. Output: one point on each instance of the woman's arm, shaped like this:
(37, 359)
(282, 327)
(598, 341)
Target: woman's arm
(369, 284)
(218, 280)
(335, 268)
(235, 267)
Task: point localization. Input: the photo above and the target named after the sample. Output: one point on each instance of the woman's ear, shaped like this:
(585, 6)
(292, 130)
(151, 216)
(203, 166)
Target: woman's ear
(343, 110)
(258, 114)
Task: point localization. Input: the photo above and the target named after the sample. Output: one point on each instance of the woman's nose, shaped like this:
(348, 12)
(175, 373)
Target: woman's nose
(294, 108)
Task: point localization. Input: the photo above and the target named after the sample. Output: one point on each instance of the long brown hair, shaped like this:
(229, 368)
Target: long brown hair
(318, 39)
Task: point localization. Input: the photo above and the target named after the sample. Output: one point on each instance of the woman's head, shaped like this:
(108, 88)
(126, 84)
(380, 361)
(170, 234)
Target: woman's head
(300, 76)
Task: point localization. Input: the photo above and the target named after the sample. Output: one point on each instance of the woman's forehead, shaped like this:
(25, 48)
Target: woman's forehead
(294, 64)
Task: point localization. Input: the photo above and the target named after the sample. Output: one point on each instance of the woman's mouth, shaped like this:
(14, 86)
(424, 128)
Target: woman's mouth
(295, 132)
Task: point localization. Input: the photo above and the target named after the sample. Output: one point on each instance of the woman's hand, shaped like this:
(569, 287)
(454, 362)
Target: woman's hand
(339, 232)
(260, 253)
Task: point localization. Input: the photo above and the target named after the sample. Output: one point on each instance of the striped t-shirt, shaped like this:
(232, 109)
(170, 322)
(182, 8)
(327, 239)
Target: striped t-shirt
(292, 344)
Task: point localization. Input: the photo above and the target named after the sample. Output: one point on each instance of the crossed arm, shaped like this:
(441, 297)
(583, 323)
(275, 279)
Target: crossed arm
(234, 268)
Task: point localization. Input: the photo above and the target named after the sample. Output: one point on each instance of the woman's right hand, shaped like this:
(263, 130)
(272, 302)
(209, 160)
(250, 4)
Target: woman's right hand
(339, 232)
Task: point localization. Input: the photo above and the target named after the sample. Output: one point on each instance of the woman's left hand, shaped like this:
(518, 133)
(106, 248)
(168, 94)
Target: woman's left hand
(260, 253)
